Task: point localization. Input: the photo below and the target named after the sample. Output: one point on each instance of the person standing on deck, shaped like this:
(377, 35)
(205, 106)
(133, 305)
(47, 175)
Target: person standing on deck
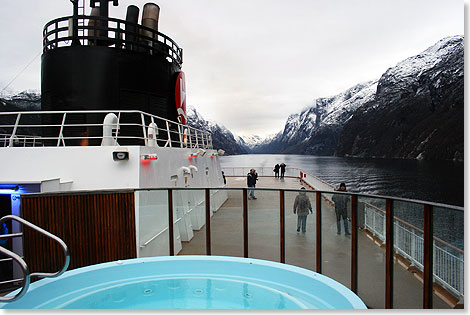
(251, 178)
(341, 204)
(276, 171)
(302, 206)
(283, 169)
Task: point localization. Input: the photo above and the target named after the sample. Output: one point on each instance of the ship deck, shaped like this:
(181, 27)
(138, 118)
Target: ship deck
(264, 243)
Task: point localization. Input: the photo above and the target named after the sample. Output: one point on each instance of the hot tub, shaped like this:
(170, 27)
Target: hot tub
(189, 282)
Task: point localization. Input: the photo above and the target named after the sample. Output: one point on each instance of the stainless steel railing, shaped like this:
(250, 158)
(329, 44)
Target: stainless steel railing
(25, 281)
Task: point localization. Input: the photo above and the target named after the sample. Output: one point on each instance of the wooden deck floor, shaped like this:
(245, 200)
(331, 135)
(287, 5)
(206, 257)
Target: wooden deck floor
(264, 243)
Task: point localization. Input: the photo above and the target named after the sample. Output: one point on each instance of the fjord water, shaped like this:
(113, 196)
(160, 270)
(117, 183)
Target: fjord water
(435, 181)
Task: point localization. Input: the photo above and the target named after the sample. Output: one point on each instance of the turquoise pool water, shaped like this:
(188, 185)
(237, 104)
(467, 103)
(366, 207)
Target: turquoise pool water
(189, 282)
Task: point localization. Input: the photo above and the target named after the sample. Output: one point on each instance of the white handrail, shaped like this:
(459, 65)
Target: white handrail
(29, 125)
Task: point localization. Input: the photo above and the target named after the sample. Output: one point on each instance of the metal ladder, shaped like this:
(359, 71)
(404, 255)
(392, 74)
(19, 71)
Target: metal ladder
(20, 261)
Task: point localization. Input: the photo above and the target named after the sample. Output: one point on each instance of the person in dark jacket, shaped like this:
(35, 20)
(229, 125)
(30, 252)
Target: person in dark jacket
(302, 206)
(251, 179)
(276, 171)
(341, 204)
(283, 169)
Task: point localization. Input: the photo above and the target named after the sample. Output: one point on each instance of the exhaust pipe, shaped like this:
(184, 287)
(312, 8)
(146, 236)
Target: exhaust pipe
(132, 16)
(95, 12)
(150, 16)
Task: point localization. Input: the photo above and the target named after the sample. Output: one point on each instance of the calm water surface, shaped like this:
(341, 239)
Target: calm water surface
(441, 182)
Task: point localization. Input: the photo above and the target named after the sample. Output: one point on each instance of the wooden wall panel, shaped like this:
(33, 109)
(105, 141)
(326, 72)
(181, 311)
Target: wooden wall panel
(97, 227)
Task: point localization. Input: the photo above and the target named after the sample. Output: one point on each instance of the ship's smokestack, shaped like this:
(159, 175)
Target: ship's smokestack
(150, 16)
(132, 16)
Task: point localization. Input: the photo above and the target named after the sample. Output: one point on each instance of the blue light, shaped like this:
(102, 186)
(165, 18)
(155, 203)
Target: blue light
(10, 190)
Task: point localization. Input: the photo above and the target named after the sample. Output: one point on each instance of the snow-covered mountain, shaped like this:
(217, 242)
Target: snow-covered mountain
(418, 110)
(26, 100)
(401, 115)
(316, 129)
(253, 141)
(222, 138)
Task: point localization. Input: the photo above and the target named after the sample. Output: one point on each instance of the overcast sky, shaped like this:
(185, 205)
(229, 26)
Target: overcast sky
(249, 64)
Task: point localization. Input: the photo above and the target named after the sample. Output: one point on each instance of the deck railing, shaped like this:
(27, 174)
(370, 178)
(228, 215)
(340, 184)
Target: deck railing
(409, 243)
(243, 216)
(408, 240)
(111, 32)
(76, 128)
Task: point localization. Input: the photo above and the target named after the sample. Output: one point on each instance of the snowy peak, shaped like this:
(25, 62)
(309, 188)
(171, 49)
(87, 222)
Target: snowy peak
(222, 138)
(418, 110)
(327, 112)
(254, 141)
(432, 78)
(443, 58)
(26, 95)
(26, 100)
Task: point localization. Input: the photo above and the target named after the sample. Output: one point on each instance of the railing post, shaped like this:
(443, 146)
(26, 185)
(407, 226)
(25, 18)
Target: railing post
(168, 133)
(10, 144)
(180, 135)
(318, 245)
(144, 132)
(354, 238)
(245, 223)
(427, 261)
(189, 136)
(388, 254)
(197, 140)
(208, 222)
(282, 225)
(61, 136)
(170, 222)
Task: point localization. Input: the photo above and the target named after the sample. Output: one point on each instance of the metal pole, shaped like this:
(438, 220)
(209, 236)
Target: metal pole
(428, 257)
(388, 254)
(282, 225)
(318, 253)
(354, 238)
(208, 222)
(245, 223)
(170, 222)
(144, 132)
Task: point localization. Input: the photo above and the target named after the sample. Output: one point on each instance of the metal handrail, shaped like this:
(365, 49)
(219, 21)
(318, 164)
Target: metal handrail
(24, 267)
(54, 35)
(380, 230)
(62, 124)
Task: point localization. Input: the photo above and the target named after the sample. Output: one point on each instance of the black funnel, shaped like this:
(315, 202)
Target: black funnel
(132, 16)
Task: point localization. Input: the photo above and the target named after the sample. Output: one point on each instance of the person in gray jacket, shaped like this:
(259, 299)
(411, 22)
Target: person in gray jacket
(302, 206)
(341, 204)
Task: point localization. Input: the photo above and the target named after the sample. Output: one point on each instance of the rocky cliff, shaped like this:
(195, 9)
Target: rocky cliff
(417, 112)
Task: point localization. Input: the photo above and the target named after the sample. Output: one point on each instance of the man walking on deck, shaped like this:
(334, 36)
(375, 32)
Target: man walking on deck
(302, 206)
(341, 204)
(251, 179)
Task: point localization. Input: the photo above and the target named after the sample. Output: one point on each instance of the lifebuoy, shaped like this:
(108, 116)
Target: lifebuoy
(180, 98)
